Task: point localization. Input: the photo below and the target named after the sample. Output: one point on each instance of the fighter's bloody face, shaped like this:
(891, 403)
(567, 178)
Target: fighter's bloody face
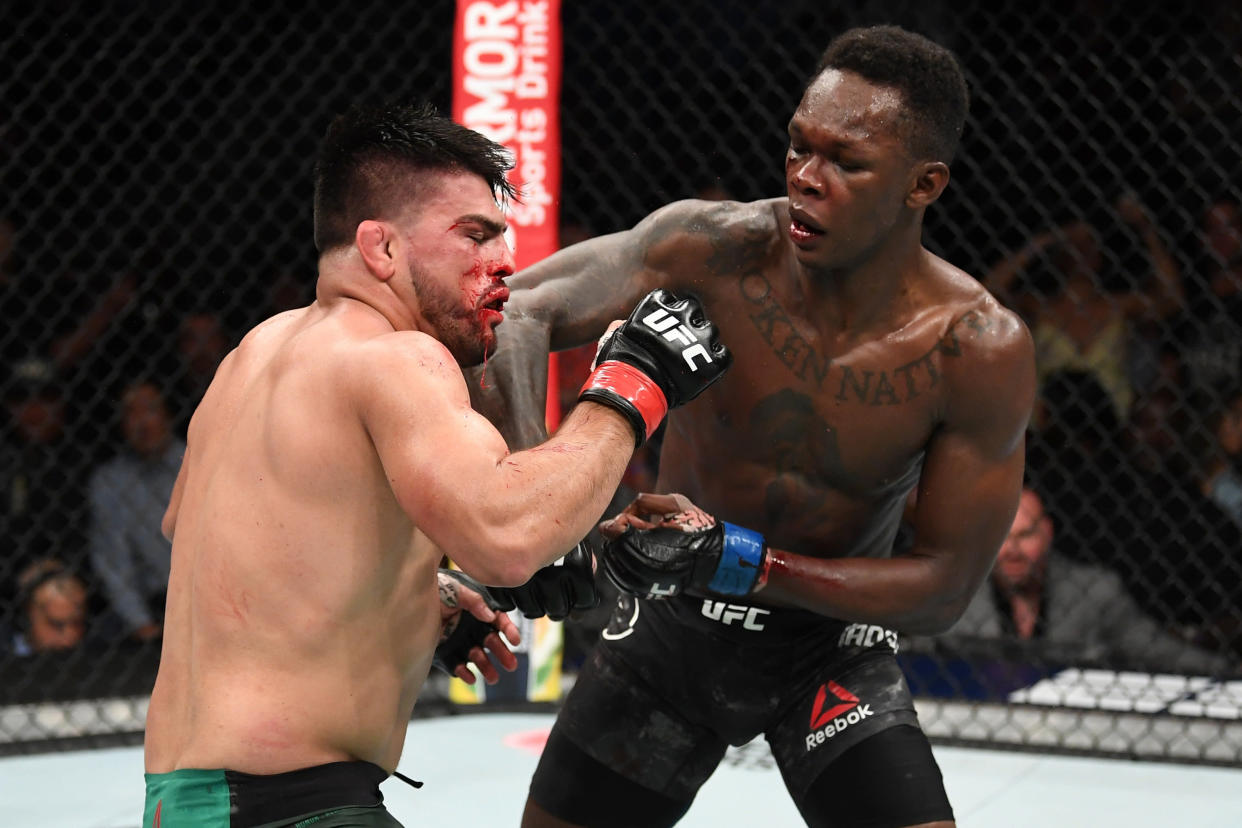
(847, 169)
(458, 258)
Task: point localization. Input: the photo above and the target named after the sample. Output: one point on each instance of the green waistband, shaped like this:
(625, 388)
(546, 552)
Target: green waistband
(334, 794)
(186, 797)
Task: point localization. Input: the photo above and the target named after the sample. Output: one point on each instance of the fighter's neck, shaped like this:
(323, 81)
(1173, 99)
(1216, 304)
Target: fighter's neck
(868, 292)
(343, 278)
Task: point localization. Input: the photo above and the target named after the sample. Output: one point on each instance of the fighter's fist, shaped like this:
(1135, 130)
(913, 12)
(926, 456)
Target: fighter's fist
(663, 544)
(664, 355)
(556, 590)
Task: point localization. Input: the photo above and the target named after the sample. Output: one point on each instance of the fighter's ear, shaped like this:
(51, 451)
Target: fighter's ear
(928, 180)
(375, 241)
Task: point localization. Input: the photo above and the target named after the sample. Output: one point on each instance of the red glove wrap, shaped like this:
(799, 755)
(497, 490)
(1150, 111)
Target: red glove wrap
(631, 384)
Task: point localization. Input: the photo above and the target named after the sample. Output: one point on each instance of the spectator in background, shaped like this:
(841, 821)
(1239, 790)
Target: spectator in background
(8, 238)
(42, 503)
(1067, 612)
(1072, 448)
(202, 344)
(50, 609)
(128, 496)
(1126, 496)
(1177, 551)
(1211, 332)
(61, 320)
(1222, 468)
(1214, 552)
(1080, 324)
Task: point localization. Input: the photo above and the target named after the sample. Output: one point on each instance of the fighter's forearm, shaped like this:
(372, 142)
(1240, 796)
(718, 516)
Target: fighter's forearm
(576, 292)
(545, 499)
(907, 593)
(564, 301)
(511, 390)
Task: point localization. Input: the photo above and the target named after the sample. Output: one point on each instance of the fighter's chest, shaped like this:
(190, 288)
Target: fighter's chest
(854, 418)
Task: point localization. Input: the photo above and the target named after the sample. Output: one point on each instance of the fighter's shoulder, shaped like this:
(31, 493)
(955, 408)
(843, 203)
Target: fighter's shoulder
(709, 231)
(404, 355)
(978, 325)
(990, 355)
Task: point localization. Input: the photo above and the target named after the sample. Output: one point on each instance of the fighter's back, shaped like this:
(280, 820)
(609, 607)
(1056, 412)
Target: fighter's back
(297, 581)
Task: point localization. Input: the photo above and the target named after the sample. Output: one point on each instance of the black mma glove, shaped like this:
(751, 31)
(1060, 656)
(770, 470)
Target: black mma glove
(469, 632)
(556, 590)
(664, 355)
(664, 561)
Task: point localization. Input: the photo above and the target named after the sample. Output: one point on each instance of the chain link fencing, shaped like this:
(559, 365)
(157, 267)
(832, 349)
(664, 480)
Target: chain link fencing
(155, 202)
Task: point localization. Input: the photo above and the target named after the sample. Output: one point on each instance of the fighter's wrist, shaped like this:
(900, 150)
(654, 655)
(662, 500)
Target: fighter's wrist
(743, 565)
(630, 390)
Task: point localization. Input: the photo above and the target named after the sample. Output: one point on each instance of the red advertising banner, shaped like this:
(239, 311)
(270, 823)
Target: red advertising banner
(507, 85)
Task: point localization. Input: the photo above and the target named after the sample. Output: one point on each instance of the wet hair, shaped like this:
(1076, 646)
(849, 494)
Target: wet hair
(926, 74)
(373, 157)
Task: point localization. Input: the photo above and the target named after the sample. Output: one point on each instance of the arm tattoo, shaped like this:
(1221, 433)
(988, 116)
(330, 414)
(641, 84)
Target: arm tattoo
(448, 592)
(448, 597)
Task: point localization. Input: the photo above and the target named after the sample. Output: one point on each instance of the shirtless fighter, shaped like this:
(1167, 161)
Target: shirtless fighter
(335, 458)
(866, 367)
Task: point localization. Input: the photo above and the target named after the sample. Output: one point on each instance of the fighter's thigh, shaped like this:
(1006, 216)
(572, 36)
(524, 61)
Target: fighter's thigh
(572, 789)
(841, 704)
(620, 753)
(889, 780)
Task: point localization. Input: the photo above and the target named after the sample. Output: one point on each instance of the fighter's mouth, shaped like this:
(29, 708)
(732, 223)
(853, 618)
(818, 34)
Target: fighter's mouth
(800, 224)
(497, 300)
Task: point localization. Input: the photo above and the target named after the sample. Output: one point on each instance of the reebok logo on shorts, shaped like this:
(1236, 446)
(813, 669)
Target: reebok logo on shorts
(846, 709)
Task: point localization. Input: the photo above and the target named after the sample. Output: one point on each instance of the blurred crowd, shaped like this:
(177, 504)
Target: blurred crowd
(98, 383)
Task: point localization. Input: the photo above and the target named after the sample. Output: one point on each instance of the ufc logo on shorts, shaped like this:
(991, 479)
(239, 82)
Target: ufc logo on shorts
(663, 322)
(728, 613)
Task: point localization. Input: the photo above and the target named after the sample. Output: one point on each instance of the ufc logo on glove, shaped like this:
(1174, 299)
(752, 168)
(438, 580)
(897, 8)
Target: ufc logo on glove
(663, 322)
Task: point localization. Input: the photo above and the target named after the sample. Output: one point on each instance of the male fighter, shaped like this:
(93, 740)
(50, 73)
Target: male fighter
(335, 458)
(866, 367)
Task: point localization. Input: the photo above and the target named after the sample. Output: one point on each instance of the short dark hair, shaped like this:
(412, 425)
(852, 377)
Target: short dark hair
(927, 75)
(372, 156)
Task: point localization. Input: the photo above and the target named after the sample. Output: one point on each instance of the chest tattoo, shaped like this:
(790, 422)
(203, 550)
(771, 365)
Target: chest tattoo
(778, 330)
(804, 454)
(890, 386)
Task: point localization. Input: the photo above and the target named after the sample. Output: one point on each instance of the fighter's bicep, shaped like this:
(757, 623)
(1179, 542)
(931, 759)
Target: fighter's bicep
(578, 290)
(972, 471)
(434, 448)
(967, 496)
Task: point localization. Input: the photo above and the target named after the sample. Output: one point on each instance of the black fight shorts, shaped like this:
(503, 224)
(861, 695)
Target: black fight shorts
(672, 683)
